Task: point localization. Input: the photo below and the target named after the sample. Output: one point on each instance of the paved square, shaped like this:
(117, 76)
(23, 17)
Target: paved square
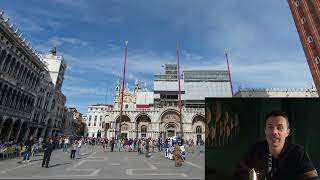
(94, 163)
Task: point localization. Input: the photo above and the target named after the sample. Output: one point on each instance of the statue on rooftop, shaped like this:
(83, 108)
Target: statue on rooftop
(53, 51)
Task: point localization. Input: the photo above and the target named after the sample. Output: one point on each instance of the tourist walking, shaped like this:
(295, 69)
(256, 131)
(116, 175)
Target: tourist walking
(79, 148)
(139, 147)
(65, 144)
(147, 147)
(177, 155)
(47, 153)
(27, 152)
(112, 142)
(73, 149)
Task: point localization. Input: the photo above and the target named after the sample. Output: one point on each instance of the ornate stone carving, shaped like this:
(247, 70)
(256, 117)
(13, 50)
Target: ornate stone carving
(170, 117)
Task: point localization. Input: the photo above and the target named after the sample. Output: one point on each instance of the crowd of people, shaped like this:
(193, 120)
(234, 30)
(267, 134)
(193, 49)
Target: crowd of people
(173, 148)
(25, 148)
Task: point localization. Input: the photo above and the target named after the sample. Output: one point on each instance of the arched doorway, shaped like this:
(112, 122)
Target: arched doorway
(170, 123)
(198, 125)
(1, 121)
(106, 128)
(125, 125)
(124, 130)
(48, 129)
(15, 129)
(40, 129)
(23, 131)
(99, 134)
(6, 127)
(142, 123)
(171, 129)
(143, 131)
(199, 133)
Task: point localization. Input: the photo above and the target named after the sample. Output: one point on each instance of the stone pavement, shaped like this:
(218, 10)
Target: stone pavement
(96, 164)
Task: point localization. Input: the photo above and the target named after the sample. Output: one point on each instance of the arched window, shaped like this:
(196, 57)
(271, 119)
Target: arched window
(143, 129)
(198, 130)
(310, 39)
(303, 20)
(6, 63)
(53, 104)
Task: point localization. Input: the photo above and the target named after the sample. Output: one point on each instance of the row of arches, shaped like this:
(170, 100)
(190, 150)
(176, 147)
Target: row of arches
(168, 115)
(13, 98)
(19, 130)
(11, 64)
(169, 125)
(18, 70)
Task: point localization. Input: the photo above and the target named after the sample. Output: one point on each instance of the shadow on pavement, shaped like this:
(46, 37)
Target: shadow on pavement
(59, 164)
(33, 160)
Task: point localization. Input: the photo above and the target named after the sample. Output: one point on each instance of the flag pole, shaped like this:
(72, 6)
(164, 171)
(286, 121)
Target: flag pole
(179, 93)
(122, 90)
(226, 55)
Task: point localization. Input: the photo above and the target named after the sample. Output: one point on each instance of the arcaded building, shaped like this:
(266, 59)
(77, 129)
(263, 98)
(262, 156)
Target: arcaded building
(31, 101)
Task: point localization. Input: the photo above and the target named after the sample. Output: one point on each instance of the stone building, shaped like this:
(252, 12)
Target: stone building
(31, 101)
(78, 122)
(156, 113)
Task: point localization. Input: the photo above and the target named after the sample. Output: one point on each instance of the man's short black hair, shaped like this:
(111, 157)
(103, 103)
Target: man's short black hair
(278, 113)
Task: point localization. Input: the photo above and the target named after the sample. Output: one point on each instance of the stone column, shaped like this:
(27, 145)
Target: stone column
(26, 135)
(16, 139)
(49, 132)
(2, 123)
(10, 131)
(43, 131)
(35, 132)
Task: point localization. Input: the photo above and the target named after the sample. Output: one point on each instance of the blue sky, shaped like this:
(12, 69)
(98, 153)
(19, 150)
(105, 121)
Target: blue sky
(264, 46)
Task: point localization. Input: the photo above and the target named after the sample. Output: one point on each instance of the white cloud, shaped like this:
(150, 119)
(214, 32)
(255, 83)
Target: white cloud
(58, 41)
(77, 4)
(79, 91)
(275, 71)
(75, 79)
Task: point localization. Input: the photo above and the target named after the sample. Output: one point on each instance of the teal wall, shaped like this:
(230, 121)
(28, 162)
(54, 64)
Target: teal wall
(303, 117)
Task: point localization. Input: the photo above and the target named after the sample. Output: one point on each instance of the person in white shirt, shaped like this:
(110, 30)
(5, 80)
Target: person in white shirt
(65, 144)
(79, 147)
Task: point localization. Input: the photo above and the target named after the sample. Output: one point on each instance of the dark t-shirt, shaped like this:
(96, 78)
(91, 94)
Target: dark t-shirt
(291, 163)
(48, 148)
(28, 145)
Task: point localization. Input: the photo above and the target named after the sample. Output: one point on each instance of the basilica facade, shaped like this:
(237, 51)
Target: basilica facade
(156, 113)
